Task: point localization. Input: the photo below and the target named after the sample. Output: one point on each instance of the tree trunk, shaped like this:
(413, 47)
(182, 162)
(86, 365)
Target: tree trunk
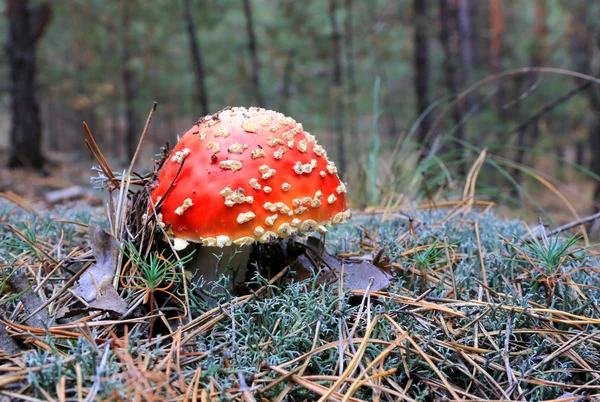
(497, 52)
(475, 34)
(286, 82)
(197, 61)
(527, 135)
(253, 53)
(421, 66)
(580, 153)
(338, 106)
(521, 136)
(594, 145)
(465, 27)
(584, 47)
(560, 161)
(350, 72)
(540, 33)
(26, 26)
(538, 55)
(128, 84)
(448, 39)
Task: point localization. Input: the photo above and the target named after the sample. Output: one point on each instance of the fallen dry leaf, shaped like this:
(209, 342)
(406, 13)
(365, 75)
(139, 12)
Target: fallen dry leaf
(357, 274)
(110, 301)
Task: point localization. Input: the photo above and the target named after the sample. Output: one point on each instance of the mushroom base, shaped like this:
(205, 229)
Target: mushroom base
(239, 265)
(211, 263)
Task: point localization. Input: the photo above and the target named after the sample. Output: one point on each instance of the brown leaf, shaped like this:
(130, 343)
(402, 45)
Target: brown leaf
(357, 274)
(110, 301)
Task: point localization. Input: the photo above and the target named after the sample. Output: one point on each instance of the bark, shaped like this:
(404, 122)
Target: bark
(594, 144)
(560, 161)
(26, 26)
(521, 135)
(522, 132)
(448, 40)
(197, 60)
(580, 153)
(497, 52)
(337, 83)
(584, 47)
(465, 27)
(128, 83)
(350, 72)
(421, 65)
(253, 53)
(287, 82)
(538, 54)
(475, 35)
(540, 33)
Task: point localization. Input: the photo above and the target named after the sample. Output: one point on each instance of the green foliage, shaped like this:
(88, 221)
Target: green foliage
(38, 228)
(99, 367)
(155, 270)
(249, 335)
(551, 252)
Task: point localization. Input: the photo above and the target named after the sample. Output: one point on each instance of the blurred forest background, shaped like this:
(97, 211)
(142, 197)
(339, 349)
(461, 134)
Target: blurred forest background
(376, 82)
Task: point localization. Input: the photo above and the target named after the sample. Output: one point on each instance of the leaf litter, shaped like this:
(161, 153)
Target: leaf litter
(453, 307)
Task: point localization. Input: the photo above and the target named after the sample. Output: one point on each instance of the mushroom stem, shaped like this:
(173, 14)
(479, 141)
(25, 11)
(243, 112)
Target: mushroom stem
(210, 263)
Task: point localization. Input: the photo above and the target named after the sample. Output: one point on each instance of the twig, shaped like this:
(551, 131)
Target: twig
(142, 138)
(244, 389)
(60, 292)
(571, 225)
(504, 74)
(507, 335)
(92, 146)
(551, 105)
(482, 263)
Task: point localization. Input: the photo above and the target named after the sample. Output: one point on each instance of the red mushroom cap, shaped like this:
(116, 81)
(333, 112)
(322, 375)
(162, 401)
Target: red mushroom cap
(242, 175)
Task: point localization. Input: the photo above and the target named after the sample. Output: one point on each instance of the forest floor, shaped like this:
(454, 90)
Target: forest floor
(478, 307)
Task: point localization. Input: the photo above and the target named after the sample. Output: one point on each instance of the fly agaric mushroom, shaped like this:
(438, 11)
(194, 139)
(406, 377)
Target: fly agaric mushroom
(245, 175)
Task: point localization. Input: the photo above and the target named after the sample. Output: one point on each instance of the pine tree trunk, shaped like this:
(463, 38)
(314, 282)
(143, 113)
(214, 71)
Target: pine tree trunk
(522, 133)
(448, 39)
(128, 84)
(350, 72)
(465, 27)
(26, 25)
(286, 82)
(421, 65)
(580, 153)
(197, 61)
(252, 47)
(538, 55)
(337, 85)
(497, 52)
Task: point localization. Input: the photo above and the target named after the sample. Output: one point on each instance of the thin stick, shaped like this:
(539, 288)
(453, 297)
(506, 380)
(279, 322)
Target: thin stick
(94, 149)
(67, 285)
(571, 225)
(550, 106)
(483, 271)
(507, 335)
(504, 74)
(141, 141)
